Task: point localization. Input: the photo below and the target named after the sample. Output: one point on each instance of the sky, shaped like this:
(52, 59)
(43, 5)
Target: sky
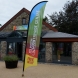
(8, 8)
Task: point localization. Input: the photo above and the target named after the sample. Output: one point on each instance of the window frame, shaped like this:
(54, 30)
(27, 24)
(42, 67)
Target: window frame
(23, 21)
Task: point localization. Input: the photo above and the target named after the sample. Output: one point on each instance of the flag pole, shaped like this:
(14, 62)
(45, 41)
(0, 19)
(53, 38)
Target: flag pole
(23, 66)
(29, 24)
(25, 52)
(25, 46)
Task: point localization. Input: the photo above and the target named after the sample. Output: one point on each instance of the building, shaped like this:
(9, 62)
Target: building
(55, 46)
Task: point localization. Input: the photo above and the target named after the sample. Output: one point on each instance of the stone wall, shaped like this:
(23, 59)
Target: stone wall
(3, 49)
(16, 22)
(48, 54)
(44, 28)
(75, 53)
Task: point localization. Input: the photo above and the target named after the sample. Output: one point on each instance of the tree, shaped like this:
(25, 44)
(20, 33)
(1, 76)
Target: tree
(66, 20)
(0, 25)
(46, 19)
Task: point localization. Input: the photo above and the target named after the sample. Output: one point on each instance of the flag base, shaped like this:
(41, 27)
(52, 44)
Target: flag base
(22, 75)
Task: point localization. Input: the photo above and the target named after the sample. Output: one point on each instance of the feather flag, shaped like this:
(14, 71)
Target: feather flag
(34, 32)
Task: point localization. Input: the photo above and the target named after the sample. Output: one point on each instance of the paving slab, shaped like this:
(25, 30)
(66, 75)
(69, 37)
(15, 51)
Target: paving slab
(42, 70)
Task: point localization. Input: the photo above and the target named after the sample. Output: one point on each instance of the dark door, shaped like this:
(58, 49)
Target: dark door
(41, 53)
(19, 50)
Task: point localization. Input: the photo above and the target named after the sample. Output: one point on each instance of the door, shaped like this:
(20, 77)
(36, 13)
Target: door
(41, 53)
(19, 50)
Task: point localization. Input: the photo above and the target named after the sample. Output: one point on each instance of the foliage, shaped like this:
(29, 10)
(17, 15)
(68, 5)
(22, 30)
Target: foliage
(10, 58)
(66, 20)
(0, 25)
(45, 19)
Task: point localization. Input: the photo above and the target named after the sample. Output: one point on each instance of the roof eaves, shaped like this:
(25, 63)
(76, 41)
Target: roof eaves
(49, 26)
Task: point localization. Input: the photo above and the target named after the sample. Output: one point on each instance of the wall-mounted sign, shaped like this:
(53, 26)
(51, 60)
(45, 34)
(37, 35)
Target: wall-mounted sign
(22, 27)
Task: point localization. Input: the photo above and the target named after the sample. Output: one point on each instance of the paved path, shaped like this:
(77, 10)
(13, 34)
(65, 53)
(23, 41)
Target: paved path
(40, 71)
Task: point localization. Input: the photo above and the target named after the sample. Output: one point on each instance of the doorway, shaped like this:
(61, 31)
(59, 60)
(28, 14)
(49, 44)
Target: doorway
(62, 52)
(19, 50)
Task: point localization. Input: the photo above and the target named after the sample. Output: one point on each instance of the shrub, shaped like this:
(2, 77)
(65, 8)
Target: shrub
(10, 58)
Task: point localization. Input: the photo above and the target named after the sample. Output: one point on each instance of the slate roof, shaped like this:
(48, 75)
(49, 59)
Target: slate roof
(22, 34)
(4, 34)
(44, 34)
(52, 34)
(10, 34)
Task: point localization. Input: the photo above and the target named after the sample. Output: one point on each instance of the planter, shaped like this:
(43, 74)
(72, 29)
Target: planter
(11, 64)
(11, 61)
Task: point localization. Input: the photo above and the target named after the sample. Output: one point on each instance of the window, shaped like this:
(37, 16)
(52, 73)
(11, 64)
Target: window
(23, 21)
(62, 52)
(11, 48)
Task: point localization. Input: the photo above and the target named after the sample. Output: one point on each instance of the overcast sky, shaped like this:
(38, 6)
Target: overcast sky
(8, 8)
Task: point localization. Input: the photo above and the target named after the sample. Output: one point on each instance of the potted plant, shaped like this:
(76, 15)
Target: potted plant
(11, 61)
